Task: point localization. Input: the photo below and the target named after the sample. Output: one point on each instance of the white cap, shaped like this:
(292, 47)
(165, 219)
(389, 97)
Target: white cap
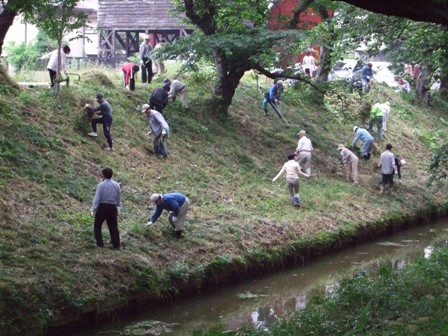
(355, 128)
(154, 197)
(145, 107)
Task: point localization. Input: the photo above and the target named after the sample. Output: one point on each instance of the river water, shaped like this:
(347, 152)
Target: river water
(259, 301)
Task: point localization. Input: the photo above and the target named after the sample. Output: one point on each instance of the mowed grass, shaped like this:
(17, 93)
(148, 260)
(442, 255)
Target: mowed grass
(50, 267)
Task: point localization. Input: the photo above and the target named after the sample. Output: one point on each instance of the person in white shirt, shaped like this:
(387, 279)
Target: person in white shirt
(308, 64)
(303, 152)
(53, 63)
(386, 112)
(177, 88)
(292, 170)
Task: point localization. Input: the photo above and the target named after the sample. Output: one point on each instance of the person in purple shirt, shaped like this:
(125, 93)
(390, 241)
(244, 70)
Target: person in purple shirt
(177, 204)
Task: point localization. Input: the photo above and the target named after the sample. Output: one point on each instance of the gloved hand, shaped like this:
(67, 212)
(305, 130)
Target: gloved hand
(127, 87)
(149, 133)
(92, 214)
(163, 132)
(149, 223)
(118, 210)
(141, 61)
(87, 105)
(174, 219)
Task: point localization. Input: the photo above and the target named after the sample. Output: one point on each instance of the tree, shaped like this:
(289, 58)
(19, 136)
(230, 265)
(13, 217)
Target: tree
(56, 18)
(435, 11)
(233, 37)
(8, 11)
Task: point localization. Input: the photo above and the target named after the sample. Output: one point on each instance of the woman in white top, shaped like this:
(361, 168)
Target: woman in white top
(292, 170)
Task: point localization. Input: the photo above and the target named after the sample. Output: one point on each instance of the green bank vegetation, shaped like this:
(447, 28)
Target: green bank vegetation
(240, 222)
(386, 302)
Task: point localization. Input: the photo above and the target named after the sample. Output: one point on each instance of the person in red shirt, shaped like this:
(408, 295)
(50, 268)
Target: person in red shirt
(129, 70)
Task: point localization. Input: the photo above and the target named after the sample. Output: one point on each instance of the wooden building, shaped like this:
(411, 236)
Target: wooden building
(123, 23)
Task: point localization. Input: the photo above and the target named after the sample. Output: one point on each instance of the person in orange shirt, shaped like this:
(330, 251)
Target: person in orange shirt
(129, 70)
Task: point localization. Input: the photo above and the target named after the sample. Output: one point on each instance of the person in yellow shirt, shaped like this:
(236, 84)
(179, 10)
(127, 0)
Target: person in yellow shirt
(292, 169)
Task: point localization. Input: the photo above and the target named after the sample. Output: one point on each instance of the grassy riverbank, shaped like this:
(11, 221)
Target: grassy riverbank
(411, 301)
(239, 221)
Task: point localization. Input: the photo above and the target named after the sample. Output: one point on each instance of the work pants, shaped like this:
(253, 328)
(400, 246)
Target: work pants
(183, 210)
(304, 160)
(292, 184)
(108, 213)
(352, 171)
(107, 124)
(147, 70)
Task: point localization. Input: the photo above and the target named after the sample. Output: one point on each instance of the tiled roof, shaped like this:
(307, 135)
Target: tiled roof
(138, 15)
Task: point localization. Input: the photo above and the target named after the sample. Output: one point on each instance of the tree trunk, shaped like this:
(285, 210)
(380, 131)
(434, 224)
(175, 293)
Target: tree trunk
(227, 82)
(422, 89)
(444, 85)
(324, 65)
(6, 20)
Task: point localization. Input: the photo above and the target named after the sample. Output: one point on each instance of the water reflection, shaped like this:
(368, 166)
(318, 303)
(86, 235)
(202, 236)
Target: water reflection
(259, 302)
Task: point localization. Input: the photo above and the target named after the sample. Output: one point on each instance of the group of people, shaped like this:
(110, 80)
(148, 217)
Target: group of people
(106, 207)
(299, 163)
(107, 202)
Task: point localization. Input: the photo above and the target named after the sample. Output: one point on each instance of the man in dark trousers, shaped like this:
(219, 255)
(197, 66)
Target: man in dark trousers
(104, 110)
(106, 207)
(145, 60)
(177, 204)
(159, 98)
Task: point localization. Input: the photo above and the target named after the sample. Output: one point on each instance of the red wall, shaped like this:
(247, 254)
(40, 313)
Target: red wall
(281, 13)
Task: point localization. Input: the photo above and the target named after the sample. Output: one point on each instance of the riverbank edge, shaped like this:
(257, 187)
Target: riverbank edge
(219, 274)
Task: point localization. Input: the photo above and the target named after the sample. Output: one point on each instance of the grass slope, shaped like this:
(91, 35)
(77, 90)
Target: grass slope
(49, 168)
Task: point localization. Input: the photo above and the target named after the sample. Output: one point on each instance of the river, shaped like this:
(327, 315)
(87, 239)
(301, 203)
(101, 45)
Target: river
(259, 301)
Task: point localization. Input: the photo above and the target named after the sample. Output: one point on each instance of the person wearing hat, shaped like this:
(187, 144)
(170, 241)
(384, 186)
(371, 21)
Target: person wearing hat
(272, 96)
(128, 70)
(177, 204)
(159, 98)
(106, 207)
(386, 113)
(377, 117)
(303, 152)
(388, 167)
(159, 129)
(350, 160)
(292, 169)
(362, 135)
(105, 111)
(177, 88)
(145, 60)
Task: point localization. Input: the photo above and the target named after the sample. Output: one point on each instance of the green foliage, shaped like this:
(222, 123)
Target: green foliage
(439, 164)
(22, 56)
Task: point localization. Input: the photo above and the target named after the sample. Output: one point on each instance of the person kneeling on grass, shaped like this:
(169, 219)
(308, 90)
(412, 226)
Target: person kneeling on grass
(177, 204)
(292, 170)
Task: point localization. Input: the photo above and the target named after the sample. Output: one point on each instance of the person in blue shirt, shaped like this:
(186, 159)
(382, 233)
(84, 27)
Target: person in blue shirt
(272, 96)
(361, 134)
(177, 204)
(366, 76)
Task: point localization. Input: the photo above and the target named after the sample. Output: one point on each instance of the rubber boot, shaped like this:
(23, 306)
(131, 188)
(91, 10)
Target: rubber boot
(381, 189)
(178, 234)
(296, 201)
